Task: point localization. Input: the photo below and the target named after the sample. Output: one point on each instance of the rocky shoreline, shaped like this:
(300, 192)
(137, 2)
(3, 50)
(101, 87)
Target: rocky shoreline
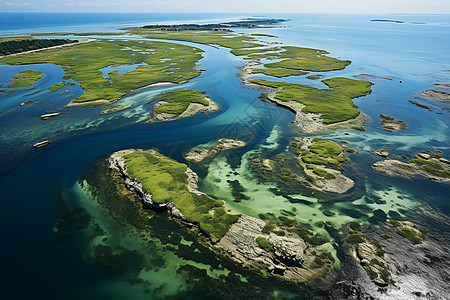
(431, 166)
(287, 256)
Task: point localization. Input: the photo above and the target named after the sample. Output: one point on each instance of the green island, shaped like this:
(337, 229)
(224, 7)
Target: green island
(167, 181)
(430, 165)
(155, 62)
(22, 80)
(331, 105)
(181, 103)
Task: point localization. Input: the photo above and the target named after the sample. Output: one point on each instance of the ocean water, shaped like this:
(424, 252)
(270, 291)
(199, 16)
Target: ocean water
(413, 54)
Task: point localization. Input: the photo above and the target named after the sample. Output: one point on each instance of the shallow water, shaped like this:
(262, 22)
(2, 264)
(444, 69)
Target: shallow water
(415, 54)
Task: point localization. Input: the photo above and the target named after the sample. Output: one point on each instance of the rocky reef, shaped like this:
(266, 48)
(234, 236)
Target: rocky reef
(199, 155)
(431, 165)
(392, 124)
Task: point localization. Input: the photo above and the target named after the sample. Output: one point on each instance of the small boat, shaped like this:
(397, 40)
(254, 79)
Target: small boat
(48, 116)
(42, 144)
(65, 91)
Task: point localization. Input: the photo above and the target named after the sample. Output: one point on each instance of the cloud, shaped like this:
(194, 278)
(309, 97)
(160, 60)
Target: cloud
(18, 4)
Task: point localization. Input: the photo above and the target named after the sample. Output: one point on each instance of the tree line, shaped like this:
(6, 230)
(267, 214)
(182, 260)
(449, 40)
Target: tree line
(14, 46)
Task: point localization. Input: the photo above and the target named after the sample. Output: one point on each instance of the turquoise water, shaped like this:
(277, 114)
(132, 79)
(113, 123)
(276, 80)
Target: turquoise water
(415, 54)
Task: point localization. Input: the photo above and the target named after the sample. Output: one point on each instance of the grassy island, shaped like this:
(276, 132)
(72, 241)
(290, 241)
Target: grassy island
(181, 103)
(167, 181)
(334, 104)
(154, 62)
(23, 79)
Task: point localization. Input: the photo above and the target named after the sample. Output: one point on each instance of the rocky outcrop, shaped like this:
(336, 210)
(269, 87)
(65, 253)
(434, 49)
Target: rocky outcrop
(381, 152)
(117, 163)
(288, 255)
(372, 262)
(437, 95)
(434, 168)
(392, 124)
(200, 155)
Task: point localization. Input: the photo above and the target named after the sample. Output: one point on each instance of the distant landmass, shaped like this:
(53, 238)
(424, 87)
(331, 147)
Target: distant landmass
(389, 21)
(246, 23)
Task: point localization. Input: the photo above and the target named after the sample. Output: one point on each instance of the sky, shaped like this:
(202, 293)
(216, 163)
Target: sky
(231, 6)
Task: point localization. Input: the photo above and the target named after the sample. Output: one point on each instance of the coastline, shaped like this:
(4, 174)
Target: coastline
(308, 123)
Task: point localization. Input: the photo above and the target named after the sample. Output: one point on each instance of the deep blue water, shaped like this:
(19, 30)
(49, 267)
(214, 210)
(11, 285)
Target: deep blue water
(39, 266)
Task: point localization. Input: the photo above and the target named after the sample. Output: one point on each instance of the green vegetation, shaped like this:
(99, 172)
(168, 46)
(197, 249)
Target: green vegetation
(178, 101)
(165, 179)
(26, 78)
(414, 235)
(355, 239)
(56, 86)
(320, 152)
(334, 104)
(304, 231)
(355, 226)
(21, 80)
(237, 190)
(320, 172)
(264, 244)
(16, 46)
(83, 61)
(263, 34)
(279, 72)
(313, 63)
(325, 148)
(322, 259)
(432, 167)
